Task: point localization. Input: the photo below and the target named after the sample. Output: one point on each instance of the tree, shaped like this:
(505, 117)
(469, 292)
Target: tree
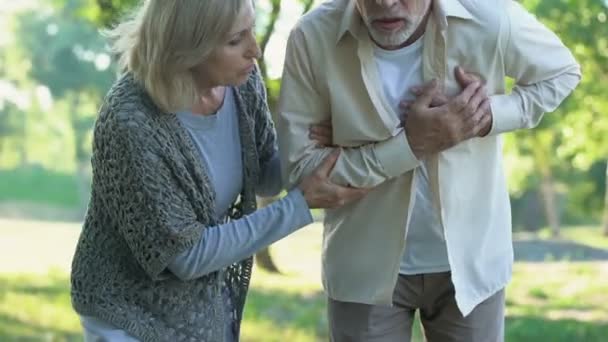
(263, 258)
(582, 25)
(71, 60)
(14, 84)
(578, 132)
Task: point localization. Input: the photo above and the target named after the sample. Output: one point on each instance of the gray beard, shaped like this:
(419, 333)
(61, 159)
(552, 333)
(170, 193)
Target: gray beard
(395, 39)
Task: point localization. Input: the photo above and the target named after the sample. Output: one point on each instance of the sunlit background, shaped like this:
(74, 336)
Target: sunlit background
(55, 69)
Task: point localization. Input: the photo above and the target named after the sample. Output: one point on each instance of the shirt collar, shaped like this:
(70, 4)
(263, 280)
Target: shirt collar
(351, 20)
(442, 9)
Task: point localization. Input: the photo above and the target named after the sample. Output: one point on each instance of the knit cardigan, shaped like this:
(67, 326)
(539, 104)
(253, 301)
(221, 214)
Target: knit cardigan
(151, 198)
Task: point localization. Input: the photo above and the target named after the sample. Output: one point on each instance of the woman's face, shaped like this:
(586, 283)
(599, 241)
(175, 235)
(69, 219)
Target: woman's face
(232, 61)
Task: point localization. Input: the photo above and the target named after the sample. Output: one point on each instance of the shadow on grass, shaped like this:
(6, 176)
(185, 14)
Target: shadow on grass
(304, 312)
(537, 250)
(275, 309)
(307, 313)
(533, 328)
(33, 308)
(52, 286)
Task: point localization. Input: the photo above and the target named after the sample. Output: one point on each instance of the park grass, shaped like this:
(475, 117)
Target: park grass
(550, 301)
(37, 185)
(557, 302)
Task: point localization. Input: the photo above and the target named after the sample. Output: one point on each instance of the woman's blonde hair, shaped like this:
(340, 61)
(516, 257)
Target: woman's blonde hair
(163, 40)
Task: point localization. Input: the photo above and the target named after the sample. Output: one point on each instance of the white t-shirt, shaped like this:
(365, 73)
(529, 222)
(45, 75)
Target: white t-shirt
(425, 247)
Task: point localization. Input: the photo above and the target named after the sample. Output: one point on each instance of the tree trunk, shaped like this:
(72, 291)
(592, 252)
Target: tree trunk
(542, 145)
(532, 204)
(268, 31)
(263, 258)
(22, 143)
(606, 204)
(549, 203)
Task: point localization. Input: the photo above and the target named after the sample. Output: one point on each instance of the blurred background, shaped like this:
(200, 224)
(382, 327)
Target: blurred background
(55, 69)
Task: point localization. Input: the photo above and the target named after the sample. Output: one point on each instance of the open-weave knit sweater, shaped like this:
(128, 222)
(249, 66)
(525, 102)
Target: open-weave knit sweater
(150, 200)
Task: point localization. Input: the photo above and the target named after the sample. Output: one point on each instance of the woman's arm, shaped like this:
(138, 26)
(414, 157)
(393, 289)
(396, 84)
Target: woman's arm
(270, 182)
(222, 245)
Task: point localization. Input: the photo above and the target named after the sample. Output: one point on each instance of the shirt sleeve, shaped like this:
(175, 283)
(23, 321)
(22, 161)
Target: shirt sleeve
(270, 182)
(301, 104)
(544, 70)
(223, 245)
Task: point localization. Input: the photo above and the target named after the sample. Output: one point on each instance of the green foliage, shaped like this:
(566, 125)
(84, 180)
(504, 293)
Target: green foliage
(109, 11)
(68, 56)
(575, 137)
(583, 26)
(103, 13)
(67, 53)
(581, 121)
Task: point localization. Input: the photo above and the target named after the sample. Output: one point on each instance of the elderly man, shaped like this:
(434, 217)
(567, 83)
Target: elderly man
(434, 234)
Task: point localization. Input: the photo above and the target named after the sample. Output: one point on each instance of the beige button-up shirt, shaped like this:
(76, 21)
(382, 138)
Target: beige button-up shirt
(330, 73)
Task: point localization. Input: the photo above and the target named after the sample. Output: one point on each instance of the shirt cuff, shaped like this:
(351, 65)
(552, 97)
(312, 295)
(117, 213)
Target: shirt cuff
(396, 156)
(506, 113)
(302, 214)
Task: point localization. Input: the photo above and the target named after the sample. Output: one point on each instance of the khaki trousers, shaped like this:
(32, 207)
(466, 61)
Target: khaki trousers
(433, 295)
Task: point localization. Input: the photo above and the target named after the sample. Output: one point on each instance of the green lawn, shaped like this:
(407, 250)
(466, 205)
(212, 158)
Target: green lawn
(551, 301)
(571, 305)
(38, 185)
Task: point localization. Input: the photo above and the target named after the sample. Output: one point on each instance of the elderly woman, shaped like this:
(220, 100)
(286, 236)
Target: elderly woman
(182, 145)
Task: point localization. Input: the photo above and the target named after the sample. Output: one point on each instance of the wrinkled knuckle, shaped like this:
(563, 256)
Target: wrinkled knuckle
(453, 106)
(469, 108)
(460, 103)
(476, 116)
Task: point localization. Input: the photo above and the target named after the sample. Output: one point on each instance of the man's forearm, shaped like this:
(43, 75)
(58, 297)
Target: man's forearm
(363, 167)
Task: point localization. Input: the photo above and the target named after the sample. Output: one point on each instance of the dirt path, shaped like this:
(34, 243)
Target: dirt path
(36, 247)
(28, 246)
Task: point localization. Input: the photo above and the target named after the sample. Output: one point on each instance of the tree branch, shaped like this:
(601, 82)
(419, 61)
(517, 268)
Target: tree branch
(274, 16)
(307, 5)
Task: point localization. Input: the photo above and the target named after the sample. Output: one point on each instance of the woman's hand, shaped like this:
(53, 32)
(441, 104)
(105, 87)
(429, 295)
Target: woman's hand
(320, 192)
